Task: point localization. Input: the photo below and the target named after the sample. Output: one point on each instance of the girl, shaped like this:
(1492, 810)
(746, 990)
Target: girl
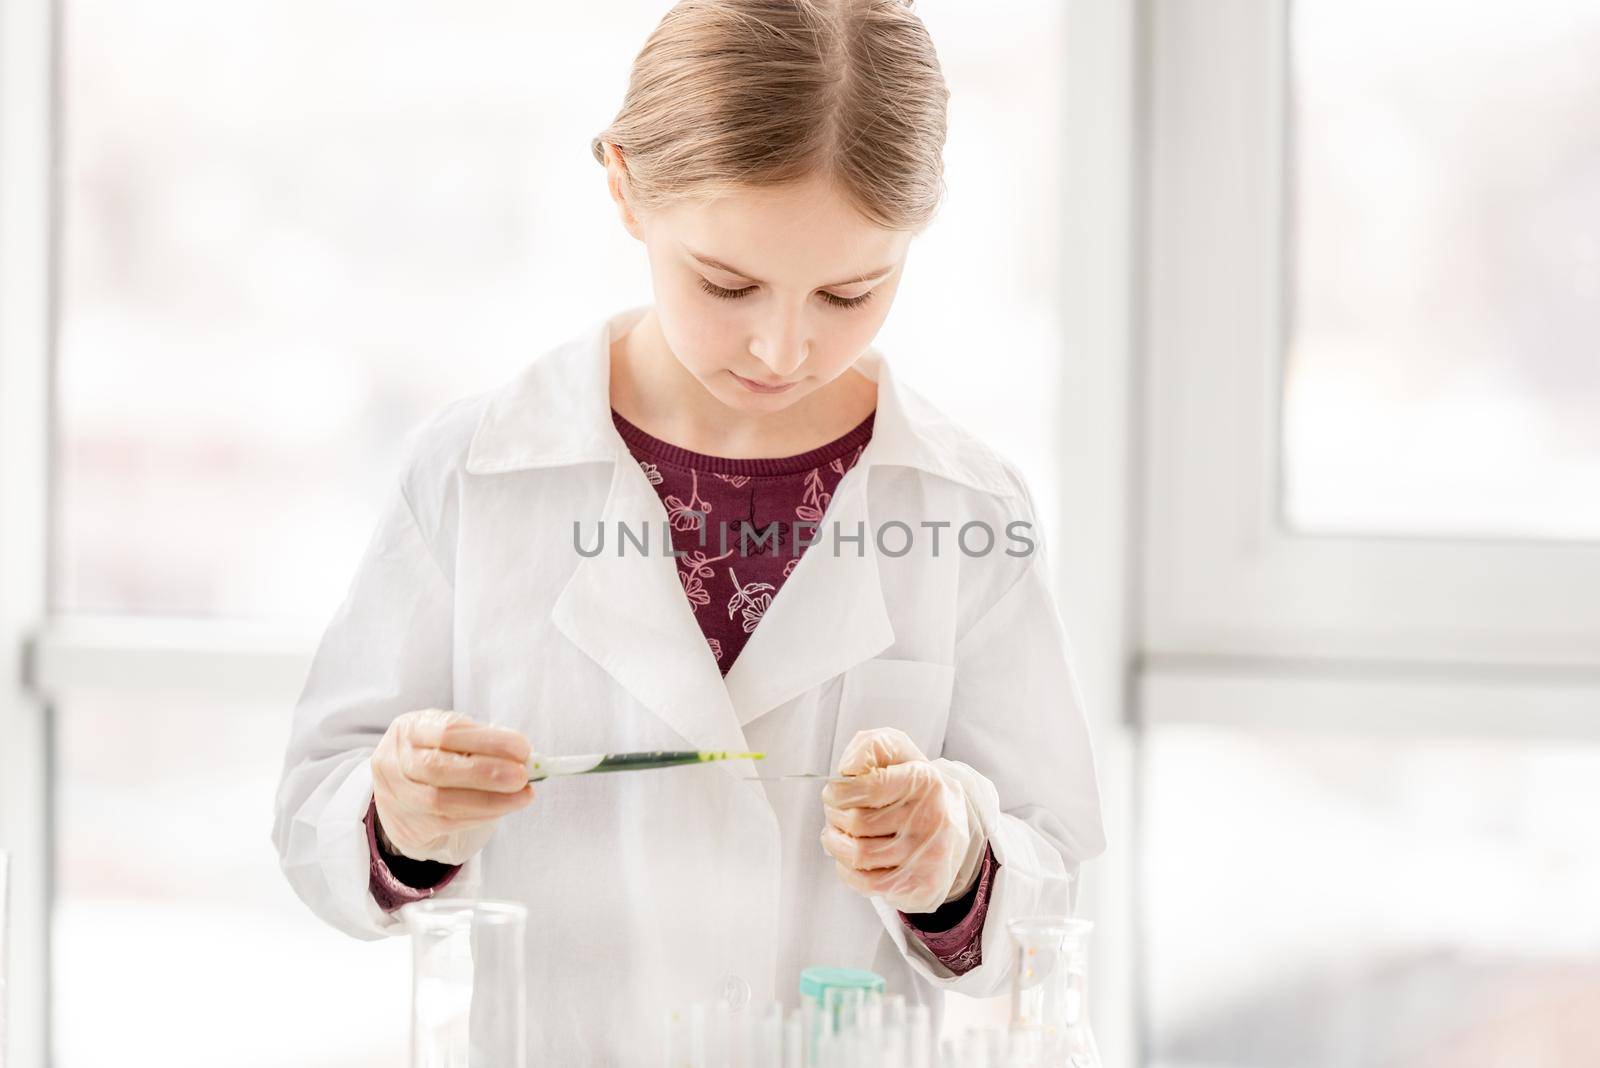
(719, 521)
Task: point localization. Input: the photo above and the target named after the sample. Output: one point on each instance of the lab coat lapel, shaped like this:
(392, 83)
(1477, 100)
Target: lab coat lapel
(628, 612)
(827, 616)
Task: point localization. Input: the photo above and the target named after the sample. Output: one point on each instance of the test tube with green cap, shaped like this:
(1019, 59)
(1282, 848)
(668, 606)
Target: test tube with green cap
(833, 1000)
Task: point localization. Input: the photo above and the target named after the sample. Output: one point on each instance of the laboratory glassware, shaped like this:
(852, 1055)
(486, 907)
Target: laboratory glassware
(834, 1001)
(1049, 1007)
(468, 983)
(711, 1035)
(855, 1027)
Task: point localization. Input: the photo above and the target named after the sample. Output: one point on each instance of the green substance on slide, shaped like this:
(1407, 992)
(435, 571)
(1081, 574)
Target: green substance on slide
(667, 759)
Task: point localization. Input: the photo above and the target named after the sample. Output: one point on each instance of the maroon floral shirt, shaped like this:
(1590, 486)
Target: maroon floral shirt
(739, 524)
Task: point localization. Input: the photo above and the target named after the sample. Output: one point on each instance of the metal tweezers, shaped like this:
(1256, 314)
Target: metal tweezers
(814, 776)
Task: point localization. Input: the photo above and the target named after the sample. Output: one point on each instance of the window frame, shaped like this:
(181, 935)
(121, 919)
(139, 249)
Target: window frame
(1239, 618)
(1224, 576)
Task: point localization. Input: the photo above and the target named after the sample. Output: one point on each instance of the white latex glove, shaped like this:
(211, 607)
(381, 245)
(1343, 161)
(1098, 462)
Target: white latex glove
(901, 828)
(441, 781)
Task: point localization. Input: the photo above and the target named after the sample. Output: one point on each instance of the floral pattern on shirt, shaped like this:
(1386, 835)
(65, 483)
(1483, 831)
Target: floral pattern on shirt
(735, 524)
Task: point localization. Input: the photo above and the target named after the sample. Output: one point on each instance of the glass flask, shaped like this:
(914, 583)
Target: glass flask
(468, 983)
(1049, 1004)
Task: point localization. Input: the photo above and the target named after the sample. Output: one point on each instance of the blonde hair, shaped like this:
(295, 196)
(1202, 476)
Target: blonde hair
(744, 93)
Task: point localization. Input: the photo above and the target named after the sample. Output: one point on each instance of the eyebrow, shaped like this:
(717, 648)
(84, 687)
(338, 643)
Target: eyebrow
(719, 265)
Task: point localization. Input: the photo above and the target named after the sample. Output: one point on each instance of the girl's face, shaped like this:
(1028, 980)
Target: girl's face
(780, 287)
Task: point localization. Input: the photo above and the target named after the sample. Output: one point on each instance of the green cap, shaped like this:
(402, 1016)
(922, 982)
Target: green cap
(814, 980)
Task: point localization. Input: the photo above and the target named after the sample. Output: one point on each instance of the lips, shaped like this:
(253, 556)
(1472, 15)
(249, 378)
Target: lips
(761, 387)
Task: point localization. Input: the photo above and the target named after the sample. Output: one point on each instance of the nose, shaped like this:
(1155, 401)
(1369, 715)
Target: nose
(782, 347)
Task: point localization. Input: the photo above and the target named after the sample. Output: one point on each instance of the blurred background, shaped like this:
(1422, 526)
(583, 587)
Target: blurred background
(1289, 311)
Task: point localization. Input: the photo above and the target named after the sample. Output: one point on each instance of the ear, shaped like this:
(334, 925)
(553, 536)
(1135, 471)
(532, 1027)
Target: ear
(617, 183)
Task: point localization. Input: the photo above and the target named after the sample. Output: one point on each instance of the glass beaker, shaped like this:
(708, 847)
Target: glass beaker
(1049, 1004)
(468, 983)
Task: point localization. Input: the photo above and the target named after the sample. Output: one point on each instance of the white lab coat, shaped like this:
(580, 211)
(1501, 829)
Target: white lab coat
(650, 891)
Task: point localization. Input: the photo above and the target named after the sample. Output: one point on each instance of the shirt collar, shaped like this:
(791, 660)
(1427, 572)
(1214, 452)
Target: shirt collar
(557, 411)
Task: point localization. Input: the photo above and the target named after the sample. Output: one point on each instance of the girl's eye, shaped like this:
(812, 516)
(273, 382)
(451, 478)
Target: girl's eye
(734, 294)
(848, 302)
(725, 294)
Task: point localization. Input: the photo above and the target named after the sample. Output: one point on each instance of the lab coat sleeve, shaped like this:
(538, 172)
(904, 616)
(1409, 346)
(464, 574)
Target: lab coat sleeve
(388, 650)
(1018, 740)
(958, 945)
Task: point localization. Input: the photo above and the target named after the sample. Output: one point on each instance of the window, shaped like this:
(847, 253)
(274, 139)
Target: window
(1370, 674)
(293, 232)
(1443, 376)
(1225, 575)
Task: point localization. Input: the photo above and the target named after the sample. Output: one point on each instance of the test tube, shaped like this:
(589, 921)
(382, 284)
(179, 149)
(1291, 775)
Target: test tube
(794, 1042)
(677, 1041)
(700, 1038)
(744, 1029)
(765, 1049)
(844, 1011)
(979, 1048)
(1024, 1050)
(871, 1026)
(892, 1046)
(919, 1037)
(811, 1017)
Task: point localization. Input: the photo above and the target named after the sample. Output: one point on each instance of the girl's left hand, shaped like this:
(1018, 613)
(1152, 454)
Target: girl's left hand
(901, 829)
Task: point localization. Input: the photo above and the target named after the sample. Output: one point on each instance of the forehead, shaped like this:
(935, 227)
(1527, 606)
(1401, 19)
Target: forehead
(807, 234)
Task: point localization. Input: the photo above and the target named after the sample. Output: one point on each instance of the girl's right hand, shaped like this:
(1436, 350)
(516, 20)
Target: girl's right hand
(441, 781)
